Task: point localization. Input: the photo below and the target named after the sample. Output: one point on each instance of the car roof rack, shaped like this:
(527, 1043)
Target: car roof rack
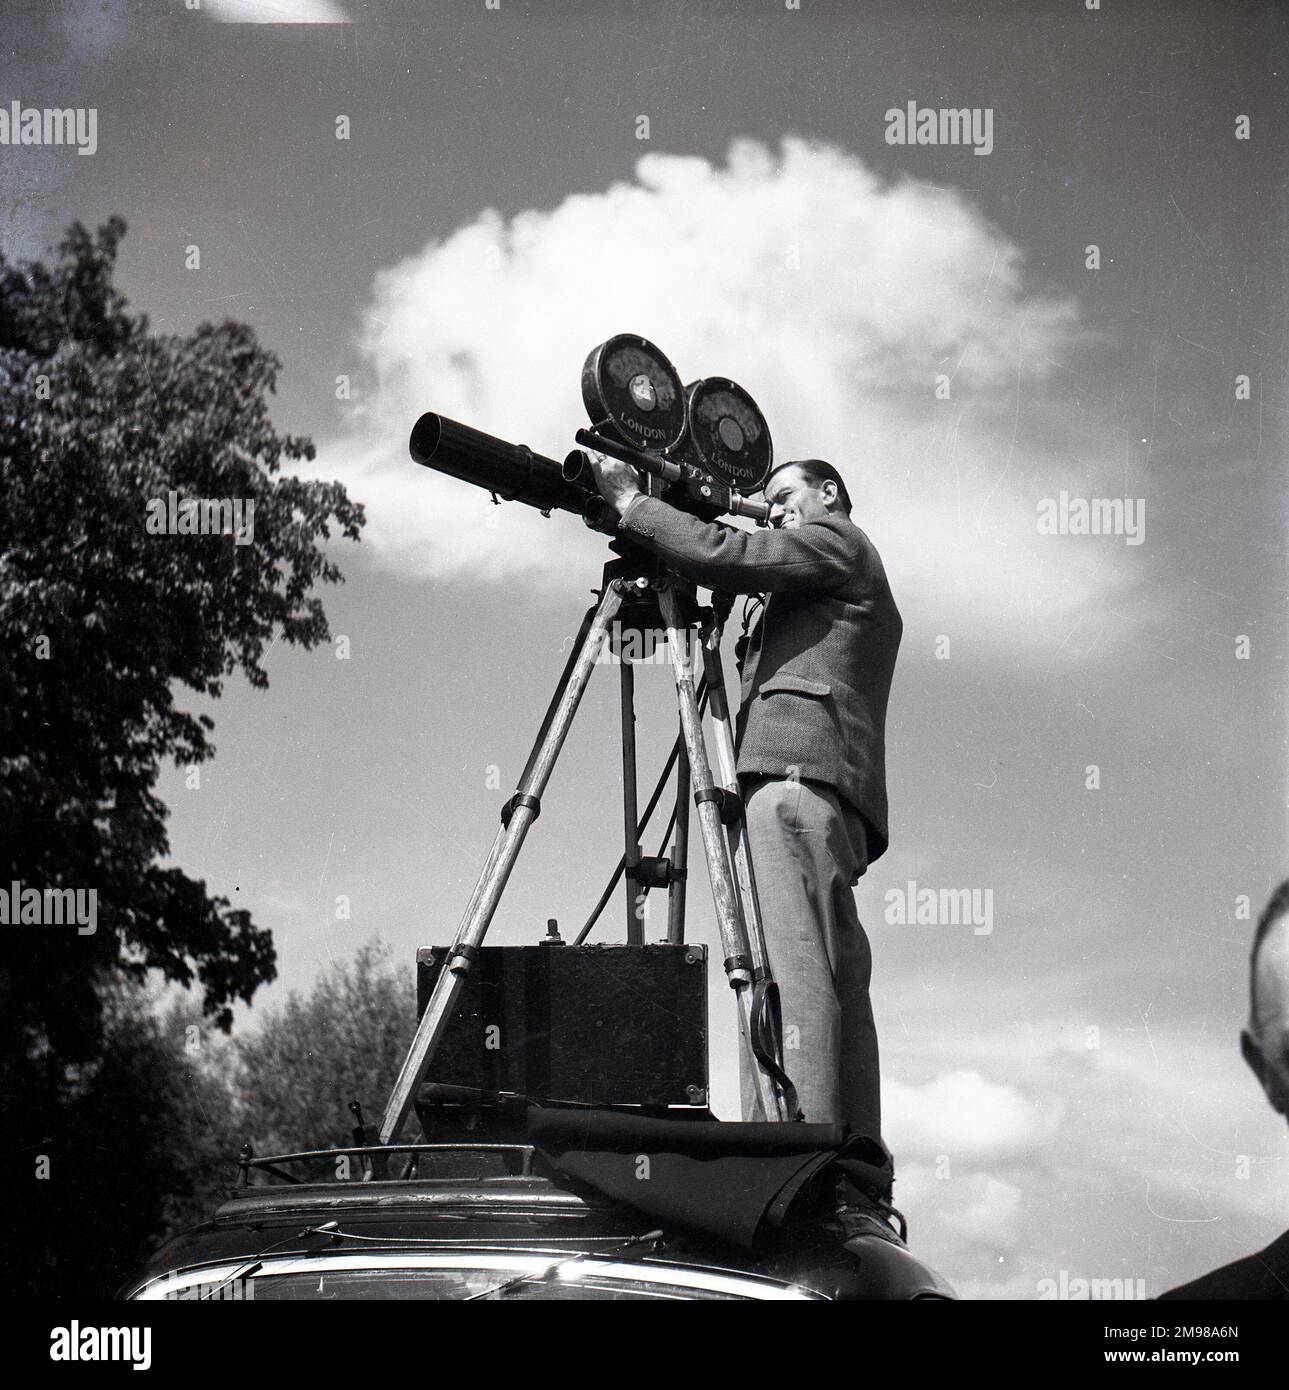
(374, 1158)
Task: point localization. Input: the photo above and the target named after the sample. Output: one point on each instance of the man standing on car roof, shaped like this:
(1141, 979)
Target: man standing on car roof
(811, 754)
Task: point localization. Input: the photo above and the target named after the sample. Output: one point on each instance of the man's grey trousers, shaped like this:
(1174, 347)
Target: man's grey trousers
(808, 851)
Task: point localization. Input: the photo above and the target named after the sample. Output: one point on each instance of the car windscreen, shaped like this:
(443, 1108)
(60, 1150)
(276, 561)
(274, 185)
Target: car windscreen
(461, 1284)
(460, 1275)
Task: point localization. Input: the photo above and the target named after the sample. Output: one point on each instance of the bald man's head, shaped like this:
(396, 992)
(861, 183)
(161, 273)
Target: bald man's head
(1265, 1041)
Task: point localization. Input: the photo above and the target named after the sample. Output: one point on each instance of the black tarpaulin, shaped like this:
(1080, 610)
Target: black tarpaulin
(730, 1181)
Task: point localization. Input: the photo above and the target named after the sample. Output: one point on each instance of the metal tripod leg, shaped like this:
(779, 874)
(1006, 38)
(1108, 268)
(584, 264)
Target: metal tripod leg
(679, 850)
(707, 798)
(741, 853)
(630, 808)
(522, 811)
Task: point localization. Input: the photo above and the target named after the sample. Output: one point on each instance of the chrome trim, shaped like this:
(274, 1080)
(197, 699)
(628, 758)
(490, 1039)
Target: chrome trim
(675, 1277)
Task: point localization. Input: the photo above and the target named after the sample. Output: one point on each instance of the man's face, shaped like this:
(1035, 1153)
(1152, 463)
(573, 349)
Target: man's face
(1266, 1041)
(794, 500)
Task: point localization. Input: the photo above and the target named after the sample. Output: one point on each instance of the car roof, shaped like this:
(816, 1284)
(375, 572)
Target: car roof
(513, 1212)
(424, 1220)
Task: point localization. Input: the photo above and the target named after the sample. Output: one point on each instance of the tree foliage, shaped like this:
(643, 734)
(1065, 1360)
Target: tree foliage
(140, 1149)
(97, 416)
(104, 625)
(295, 1075)
(150, 1131)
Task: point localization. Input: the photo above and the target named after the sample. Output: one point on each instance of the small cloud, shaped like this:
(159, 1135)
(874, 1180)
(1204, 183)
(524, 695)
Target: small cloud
(275, 12)
(963, 1117)
(970, 1227)
(988, 1211)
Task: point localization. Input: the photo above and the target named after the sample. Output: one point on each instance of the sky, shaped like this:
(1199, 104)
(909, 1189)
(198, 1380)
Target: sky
(1064, 1090)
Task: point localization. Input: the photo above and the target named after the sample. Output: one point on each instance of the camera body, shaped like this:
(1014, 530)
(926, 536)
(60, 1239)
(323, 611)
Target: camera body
(704, 447)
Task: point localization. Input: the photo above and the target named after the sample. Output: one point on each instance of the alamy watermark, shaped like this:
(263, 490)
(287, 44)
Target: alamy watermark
(49, 907)
(642, 647)
(173, 515)
(1071, 1288)
(224, 1291)
(941, 125)
(912, 906)
(50, 125)
(72, 1342)
(1064, 515)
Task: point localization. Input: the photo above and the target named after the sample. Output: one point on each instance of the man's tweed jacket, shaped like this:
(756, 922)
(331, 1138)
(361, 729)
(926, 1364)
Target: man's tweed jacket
(818, 669)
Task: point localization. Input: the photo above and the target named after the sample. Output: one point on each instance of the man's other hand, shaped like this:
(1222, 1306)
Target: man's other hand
(618, 482)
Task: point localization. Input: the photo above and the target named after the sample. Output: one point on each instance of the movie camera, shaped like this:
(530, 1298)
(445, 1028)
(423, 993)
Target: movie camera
(704, 447)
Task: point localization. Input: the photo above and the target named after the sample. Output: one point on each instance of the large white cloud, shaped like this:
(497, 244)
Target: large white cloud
(835, 297)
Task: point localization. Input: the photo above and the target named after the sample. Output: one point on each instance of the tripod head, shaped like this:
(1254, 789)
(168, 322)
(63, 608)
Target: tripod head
(704, 447)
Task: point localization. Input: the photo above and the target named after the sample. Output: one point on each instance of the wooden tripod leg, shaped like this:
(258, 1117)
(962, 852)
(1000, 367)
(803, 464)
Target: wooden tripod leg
(740, 846)
(707, 799)
(630, 807)
(679, 851)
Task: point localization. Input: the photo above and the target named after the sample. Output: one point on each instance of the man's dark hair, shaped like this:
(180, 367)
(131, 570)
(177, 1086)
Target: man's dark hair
(816, 471)
(1277, 908)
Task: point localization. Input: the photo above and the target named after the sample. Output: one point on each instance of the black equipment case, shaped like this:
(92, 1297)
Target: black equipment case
(612, 1024)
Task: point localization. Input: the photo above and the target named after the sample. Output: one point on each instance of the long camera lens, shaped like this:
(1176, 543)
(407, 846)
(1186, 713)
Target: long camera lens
(512, 471)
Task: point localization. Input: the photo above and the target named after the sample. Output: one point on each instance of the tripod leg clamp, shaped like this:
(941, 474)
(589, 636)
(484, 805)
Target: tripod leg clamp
(729, 803)
(520, 799)
(652, 871)
(462, 958)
